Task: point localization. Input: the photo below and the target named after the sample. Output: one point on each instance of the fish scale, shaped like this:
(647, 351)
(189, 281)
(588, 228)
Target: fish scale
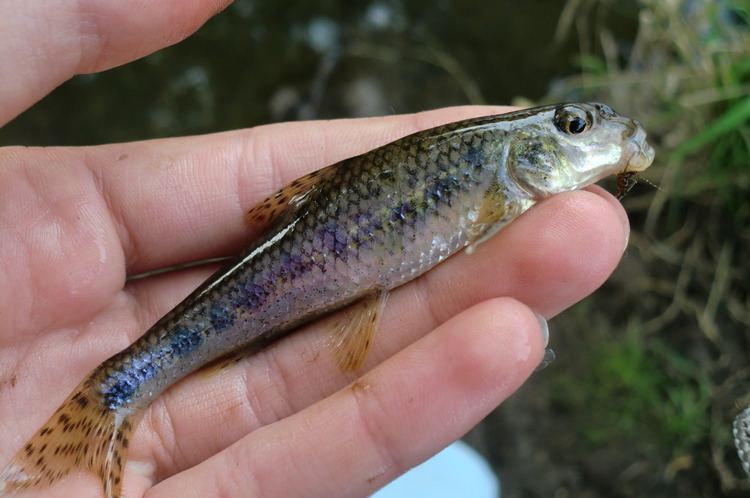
(358, 226)
(348, 233)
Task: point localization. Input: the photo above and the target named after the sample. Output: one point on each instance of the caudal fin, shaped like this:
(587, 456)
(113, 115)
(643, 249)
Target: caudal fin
(82, 434)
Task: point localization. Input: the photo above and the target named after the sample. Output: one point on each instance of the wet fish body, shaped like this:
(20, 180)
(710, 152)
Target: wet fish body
(347, 233)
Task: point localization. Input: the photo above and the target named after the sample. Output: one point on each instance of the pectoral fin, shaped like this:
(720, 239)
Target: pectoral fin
(354, 332)
(493, 214)
(291, 195)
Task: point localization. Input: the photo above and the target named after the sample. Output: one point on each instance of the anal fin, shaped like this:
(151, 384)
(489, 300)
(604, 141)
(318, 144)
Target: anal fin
(353, 334)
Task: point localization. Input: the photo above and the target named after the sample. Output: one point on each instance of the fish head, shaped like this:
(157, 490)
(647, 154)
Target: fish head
(569, 146)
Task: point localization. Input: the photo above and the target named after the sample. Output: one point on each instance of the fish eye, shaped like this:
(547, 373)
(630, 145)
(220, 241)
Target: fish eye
(571, 120)
(576, 125)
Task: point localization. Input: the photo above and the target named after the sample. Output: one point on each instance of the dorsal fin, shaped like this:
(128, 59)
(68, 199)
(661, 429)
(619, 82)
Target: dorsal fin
(290, 195)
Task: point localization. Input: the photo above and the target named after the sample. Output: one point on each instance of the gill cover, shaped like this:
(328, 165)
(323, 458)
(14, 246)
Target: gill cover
(573, 145)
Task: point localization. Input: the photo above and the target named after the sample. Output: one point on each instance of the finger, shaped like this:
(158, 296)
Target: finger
(57, 245)
(553, 256)
(617, 208)
(46, 43)
(151, 204)
(391, 419)
(183, 199)
(201, 416)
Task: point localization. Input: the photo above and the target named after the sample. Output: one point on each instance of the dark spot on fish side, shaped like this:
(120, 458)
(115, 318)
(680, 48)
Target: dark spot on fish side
(253, 295)
(473, 156)
(221, 316)
(403, 212)
(185, 341)
(120, 392)
(386, 174)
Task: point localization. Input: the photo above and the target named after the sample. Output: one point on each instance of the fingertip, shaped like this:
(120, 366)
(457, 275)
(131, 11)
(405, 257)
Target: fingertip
(501, 341)
(522, 331)
(599, 231)
(571, 243)
(617, 208)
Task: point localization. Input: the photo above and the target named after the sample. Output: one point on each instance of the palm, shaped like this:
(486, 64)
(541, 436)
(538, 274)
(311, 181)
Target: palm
(75, 222)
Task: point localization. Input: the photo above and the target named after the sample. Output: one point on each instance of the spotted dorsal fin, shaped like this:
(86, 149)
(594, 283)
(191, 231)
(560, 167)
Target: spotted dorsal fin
(291, 195)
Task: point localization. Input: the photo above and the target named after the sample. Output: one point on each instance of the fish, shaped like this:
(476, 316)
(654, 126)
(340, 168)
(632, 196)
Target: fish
(341, 237)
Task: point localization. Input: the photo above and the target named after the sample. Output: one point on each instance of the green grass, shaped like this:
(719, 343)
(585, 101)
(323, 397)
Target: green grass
(636, 390)
(732, 121)
(654, 378)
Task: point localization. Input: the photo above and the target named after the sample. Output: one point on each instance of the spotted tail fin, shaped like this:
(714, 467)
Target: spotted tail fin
(82, 434)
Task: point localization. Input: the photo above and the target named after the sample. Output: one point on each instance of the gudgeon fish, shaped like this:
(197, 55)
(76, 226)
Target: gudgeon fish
(344, 235)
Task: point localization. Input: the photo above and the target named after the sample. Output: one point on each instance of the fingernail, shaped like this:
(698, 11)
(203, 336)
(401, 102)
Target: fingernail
(547, 359)
(544, 327)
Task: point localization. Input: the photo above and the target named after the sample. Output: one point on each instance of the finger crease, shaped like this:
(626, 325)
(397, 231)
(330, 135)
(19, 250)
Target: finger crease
(93, 40)
(280, 386)
(257, 158)
(143, 308)
(377, 436)
(425, 301)
(124, 233)
(161, 423)
(271, 157)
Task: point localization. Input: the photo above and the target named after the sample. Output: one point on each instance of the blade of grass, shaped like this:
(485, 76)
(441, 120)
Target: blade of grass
(734, 118)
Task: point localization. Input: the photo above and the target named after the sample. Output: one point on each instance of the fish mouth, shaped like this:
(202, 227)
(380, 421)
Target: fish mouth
(641, 155)
(641, 158)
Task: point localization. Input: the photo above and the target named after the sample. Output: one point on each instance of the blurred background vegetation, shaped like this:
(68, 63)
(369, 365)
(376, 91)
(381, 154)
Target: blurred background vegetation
(654, 365)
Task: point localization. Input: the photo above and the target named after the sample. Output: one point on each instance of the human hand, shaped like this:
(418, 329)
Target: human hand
(75, 222)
